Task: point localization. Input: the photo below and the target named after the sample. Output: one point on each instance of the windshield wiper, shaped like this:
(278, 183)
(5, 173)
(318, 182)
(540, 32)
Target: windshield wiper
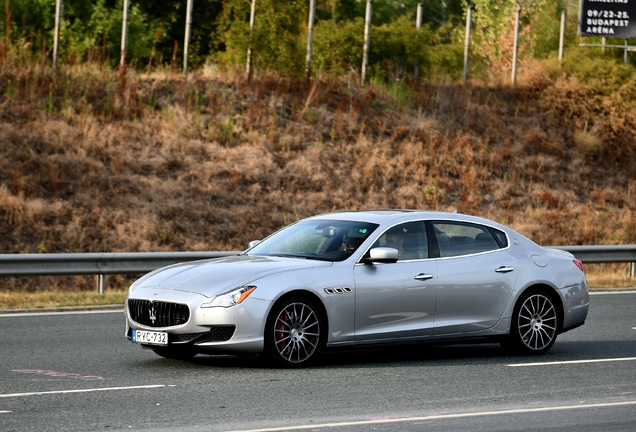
(302, 256)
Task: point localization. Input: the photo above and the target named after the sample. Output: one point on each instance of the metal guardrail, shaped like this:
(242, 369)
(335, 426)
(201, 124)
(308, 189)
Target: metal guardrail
(602, 254)
(102, 264)
(99, 264)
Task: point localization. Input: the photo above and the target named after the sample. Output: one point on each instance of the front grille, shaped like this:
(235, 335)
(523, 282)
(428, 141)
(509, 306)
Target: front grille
(158, 313)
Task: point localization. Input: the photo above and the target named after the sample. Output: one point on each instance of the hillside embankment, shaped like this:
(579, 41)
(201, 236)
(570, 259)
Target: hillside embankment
(95, 161)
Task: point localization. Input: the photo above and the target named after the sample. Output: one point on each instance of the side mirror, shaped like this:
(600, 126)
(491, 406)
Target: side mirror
(382, 255)
(253, 243)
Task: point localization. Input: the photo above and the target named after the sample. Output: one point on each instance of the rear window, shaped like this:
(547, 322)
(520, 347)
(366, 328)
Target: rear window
(462, 238)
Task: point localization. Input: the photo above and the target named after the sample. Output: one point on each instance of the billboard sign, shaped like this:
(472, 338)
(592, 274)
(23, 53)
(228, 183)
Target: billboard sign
(608, 18)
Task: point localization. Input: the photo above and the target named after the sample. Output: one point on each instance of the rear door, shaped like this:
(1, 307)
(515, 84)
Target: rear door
(476, 276)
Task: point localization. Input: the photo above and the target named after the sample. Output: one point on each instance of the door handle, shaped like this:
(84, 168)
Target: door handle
(423, 276)
(504, 269)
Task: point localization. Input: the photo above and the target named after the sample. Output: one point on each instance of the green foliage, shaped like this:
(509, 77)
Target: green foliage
(277, 38)
(168, 28)
(94, 31)
(545, 21)
(339, 10)
(338, 48)
(492, 21)
(91, 29)
(29, 20)
(601, 72)
(435, 14)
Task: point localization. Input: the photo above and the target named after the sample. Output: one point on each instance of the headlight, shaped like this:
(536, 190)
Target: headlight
(230, 298)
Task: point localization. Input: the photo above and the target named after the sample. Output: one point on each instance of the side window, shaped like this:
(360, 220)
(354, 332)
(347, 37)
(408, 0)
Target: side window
(409, 239)
(461, 238)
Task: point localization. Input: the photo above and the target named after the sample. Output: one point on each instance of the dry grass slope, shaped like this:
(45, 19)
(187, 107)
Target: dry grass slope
(92, 160)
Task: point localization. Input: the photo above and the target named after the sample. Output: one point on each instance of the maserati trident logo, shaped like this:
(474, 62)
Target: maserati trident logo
(152, 313)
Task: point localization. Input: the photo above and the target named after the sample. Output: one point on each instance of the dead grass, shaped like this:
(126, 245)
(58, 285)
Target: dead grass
(609, 276)
(57, 299)
(95, 162)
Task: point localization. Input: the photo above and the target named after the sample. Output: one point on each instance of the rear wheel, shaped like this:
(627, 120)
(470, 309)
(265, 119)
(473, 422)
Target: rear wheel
(535, 324)
(293, 333)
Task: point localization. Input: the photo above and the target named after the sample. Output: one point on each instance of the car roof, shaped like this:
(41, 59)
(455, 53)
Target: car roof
(389, 216)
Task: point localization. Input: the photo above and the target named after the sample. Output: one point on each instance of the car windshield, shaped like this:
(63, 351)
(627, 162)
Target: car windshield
(325, 240)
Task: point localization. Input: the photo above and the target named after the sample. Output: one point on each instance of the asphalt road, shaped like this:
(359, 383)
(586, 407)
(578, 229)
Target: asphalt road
(76, 372)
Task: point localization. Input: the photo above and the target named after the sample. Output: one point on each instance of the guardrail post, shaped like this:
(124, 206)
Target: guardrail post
(101, 283)
(632, 270)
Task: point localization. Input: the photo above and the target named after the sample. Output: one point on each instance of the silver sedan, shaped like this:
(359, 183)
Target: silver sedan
(363, 278)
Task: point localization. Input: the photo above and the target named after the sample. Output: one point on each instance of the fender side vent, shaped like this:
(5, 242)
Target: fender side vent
(342, 290)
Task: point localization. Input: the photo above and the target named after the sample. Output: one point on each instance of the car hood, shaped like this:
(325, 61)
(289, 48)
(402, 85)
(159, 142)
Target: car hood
(214, 276)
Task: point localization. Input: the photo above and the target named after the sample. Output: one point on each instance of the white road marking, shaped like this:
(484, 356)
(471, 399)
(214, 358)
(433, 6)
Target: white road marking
(574, 362)
(80, 391)
(77, 312)
(631, 291)
(440, 417)
(5, 412)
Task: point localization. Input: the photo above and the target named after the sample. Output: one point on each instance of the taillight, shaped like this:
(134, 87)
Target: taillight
(579, 264)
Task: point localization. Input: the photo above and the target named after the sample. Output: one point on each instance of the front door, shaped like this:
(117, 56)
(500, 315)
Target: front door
(397, 300)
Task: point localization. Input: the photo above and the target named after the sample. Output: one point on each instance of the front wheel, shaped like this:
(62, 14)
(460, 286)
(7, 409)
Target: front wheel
(535, 324)
(293, 333)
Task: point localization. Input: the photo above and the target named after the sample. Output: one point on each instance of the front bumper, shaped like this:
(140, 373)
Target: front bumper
(234, 330)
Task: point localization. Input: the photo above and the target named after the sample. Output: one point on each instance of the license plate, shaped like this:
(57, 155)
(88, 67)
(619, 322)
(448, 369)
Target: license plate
(149, 337)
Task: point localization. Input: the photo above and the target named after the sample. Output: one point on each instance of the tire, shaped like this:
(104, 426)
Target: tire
(535, 324)
(175, 353)
(294, 333)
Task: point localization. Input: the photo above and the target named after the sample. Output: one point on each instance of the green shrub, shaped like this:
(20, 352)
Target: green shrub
(602, 72)
(277, 38)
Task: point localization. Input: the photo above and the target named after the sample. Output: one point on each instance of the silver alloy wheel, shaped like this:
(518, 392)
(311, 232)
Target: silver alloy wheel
(537, 322)
(296, 332)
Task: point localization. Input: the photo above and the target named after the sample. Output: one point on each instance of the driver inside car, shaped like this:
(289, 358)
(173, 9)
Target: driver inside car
(350, 243)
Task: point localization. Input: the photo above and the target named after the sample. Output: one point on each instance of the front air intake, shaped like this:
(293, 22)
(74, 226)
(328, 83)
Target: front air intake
(158, 313)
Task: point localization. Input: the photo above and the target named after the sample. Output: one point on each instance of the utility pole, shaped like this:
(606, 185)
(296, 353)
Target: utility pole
(562, 36)
(248, 66)
(516, 45)
(124, 35)
(418, 26)
(469, 25)
(367, 40)
(56, 36)
(186, 42)
(310, 36)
